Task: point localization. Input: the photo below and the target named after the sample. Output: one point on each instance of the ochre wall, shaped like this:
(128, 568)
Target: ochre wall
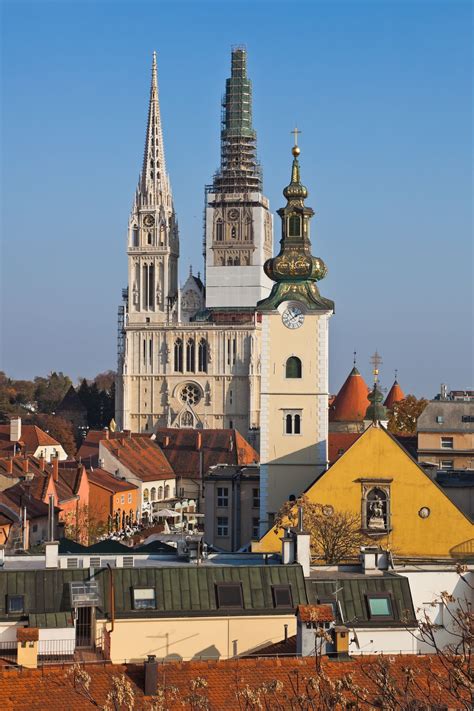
(195, 637)
(376, 455)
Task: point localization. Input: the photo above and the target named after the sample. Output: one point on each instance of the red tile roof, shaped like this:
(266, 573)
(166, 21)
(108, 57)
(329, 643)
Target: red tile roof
(27, 634)
(338, 441)
(351, 403)
(66, 486)
(395, 394)
(315, 613)
(16, 497)
(275, 681)
(183, 448)
(141, 456)
(89, 449)
(31, 438)
(108, 481)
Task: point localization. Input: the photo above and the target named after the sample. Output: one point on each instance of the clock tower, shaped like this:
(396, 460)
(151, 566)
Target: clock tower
(294, 373)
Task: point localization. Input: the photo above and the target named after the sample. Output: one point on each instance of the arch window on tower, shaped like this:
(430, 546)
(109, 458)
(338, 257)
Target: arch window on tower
(178, 355)
(135, 236)
(294, 226)
(202, 356)
(292, 422)
(219, 230)
(190, 355)
(293, 367)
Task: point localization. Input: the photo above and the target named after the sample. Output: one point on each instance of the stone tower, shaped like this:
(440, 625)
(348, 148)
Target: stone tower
(238, 237)
(294, 372)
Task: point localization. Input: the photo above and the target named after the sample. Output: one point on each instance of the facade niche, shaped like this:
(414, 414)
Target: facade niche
(293, 367)
(376, 508)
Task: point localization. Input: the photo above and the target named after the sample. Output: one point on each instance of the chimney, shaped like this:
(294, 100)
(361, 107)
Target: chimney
(9, 465)
(444, 391)
(151, 675)
(42, 461)
(198, 441)
(52, 554)
(25, 465)
(15, 429)
(166, 441)
(373, 559)
(106, 432)
(55, 466)
(288, 548)
(127, 434)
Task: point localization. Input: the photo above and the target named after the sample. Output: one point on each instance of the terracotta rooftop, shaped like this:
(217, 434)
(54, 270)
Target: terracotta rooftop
(315, 613)
(27, 634)
(338, 443)
(351, 403)
(108, 481)
(141, 456)
(89, 449)
(395, 394)
(31, 438)
(183, 448)
(66, 486)
(16, 497)
(275, 681)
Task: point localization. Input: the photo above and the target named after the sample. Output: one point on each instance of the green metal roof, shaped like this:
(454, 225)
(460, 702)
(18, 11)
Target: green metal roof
(51, 619)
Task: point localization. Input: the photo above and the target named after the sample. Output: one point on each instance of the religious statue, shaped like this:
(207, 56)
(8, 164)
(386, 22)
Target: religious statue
(375, 513)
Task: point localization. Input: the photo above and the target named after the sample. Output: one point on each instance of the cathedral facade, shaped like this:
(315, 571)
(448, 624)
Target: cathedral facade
(190, 356)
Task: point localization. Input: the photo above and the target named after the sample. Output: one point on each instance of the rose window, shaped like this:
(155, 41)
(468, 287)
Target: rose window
(190, 394)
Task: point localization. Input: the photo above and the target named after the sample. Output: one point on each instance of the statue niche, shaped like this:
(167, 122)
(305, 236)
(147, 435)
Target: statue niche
(376, 510)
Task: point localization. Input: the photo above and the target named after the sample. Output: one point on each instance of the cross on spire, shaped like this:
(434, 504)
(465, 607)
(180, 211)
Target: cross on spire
(376, 361)
(295, 132)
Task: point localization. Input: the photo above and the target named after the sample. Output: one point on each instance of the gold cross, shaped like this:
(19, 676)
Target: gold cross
(376, 360)
(295, 132)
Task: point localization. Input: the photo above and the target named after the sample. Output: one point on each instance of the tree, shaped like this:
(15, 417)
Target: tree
(83, 526)
(58, 428)
(50, 391)
(105, 381)
(335, 535)
(405, 414)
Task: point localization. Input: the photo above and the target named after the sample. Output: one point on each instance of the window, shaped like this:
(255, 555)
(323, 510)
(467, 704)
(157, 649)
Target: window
(229, 595)
(135, 236)
(379, 606)
(447, 464)
(153, 493)
(294, 226)
(167, 491)
(35, 528)
(219, 230)
(293, 367)
(282, 596)
(129, 498)
(222, 496)
(292, 419)
(439, 419)
(202, 356)
(256, 498)
(16, 604)
(160, 492)
(255, 528)
(190, 394)
(178, 355)
(144, 598)
(446, 442)
(190, 355)
(468, 418)
(222, 526)
(122, 499)
(146, 495)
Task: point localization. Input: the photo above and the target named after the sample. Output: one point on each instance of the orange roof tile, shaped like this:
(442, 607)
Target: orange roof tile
(339, 443)
(108, 481)
(315, 613)
(52, 687)
(351, 403)
(141, 456)
(32, 437)
(395, 394)
(27, 634)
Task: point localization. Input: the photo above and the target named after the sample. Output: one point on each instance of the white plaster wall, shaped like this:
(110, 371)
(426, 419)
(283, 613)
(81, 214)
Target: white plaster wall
(382, 641)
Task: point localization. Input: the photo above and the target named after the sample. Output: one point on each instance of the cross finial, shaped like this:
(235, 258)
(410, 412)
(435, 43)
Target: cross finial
(355, 357)
(295, 132)
(376, 360)
(396, 373)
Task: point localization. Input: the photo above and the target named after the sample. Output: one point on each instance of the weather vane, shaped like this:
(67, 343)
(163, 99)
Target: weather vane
(376, 361)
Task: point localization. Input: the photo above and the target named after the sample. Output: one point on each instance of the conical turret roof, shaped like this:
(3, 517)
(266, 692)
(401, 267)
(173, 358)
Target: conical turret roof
(351, 402)
(395, 395)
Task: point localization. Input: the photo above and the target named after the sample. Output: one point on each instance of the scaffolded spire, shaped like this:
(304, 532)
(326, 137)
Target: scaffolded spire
(240, 170)
(153, 179)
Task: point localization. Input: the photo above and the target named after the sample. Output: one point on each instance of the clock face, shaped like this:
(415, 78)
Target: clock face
(148, 220)
(233, 214)
(293, 317)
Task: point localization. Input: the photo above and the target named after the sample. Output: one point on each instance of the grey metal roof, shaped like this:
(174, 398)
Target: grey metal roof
(452, 413)
(352, 590)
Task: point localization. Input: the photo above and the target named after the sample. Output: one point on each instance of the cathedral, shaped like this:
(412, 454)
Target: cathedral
(247, 346)
(190, 356)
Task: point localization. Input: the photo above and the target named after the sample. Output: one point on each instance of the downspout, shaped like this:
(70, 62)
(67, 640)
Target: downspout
(112, 596)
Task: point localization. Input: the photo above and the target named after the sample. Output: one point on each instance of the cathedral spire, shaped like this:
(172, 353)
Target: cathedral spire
(153, 179)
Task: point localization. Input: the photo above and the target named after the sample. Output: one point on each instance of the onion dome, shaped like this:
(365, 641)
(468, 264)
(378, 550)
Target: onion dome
(351, 402)
(294, 269)
(395, 395)
(376, 412)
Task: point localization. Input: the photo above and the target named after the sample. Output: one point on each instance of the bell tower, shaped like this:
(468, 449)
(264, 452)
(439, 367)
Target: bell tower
(294, 385)
(239, 228)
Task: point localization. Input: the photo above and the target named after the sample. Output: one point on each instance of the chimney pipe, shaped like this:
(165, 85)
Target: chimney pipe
(106, 432)
(25, 463)
(166, 441)
(151, 675)
(9, 465)
(55, 466)
(198, 441)
(300, 519)
(42, 461)
(51, 517)
(15, 429)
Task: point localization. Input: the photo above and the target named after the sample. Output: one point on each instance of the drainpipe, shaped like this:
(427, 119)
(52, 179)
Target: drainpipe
(112, 596)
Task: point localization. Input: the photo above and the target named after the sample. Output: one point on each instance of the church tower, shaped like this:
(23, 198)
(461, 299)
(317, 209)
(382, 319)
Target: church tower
(238, 237)
(294, 372)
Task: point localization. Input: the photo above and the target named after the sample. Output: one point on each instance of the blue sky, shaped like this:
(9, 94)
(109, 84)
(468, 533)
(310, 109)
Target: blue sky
(382, 94)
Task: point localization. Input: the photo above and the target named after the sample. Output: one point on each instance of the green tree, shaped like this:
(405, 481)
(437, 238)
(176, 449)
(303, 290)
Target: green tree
(405, 414)
(50, 391)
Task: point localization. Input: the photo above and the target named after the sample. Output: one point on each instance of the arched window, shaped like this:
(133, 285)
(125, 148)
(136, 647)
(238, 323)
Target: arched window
(190, 355)
(294, 226)
(160, 492)
(187, 419)
(292, 422)
(297, 424)
(202, 356)
(167, 491)
(178, 355)
(219, 230)
(289, 424)
(146, 494)
(293, 367)
(153, 493)
(135, 236)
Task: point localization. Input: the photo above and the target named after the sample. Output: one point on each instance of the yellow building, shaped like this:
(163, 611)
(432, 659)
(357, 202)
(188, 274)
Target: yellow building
(294, 364)
(401, 508)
